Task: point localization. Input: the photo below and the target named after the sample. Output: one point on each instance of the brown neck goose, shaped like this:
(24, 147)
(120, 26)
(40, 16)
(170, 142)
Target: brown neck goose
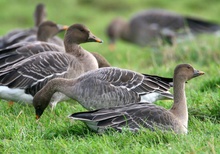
(150, 26)
(20, 51)
(106, 87)
(139, 115)
(20, 81)
(46, 32)
(17, 35)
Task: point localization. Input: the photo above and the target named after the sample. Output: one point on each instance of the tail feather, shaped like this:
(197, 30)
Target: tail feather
(198, 25)
(163, 79)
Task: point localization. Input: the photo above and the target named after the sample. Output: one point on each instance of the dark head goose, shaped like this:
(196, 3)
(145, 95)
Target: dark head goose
(20, 81)
(139, 115)
(106, 87)
(17, 35)
(20, 51)
(150, 26)
(46, 32)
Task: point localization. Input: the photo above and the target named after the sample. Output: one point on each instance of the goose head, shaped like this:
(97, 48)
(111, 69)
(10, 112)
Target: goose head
(114, 30)
(78, 33)
(186, 72)
(48, 29)
(39, 109)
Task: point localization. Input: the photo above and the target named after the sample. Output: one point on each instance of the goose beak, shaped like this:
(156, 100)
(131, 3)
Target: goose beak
(37, 117)
(198, 73)
(93, 38)
(63, 28)
(39, 112)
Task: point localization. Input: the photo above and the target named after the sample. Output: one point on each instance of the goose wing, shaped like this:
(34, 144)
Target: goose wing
(34, 72)
(132, 117)
(136, 82)
(16, 36)
(21, 51)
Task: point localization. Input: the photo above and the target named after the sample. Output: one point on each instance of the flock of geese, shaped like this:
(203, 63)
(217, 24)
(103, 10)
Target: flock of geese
(39, 68)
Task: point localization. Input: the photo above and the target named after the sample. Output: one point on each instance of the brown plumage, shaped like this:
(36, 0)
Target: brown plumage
(46, 33)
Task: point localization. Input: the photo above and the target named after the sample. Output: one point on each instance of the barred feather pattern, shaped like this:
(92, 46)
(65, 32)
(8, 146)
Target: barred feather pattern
(28, 73)
(108, 87)
(21, 51)
(132, 117)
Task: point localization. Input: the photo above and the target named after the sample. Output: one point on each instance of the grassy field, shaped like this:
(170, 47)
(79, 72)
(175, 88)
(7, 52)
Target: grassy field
(55, 133)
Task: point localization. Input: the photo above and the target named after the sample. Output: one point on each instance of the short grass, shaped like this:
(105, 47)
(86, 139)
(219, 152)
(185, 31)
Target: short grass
(55, 133)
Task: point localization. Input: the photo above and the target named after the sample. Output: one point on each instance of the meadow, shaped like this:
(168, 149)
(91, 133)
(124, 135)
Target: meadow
(56, 133)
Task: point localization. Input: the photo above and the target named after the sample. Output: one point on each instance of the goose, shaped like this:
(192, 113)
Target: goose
(17, 35)
(105, 87)
(19, 82)
(46, 32)
(20, 51)
(148, 27)
(144, 114)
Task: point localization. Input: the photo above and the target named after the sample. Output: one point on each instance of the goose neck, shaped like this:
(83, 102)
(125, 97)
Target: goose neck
(179, 108)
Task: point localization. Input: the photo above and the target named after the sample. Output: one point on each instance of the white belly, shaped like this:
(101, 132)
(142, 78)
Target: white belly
(150, 98)
(15, 94)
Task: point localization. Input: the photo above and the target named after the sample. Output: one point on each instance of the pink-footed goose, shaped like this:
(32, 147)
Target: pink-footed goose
(19, 82)
(20, 51)
(138, 115)
(147, 27)
(106, 87)
(46, 32)
(17, 35)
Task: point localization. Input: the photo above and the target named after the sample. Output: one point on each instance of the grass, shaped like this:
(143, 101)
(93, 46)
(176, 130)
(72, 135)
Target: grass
(55, 133)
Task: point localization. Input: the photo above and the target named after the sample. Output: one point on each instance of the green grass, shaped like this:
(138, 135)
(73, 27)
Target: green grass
(55, 133)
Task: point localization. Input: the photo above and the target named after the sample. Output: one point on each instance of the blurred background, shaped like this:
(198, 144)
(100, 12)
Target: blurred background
(97, 14)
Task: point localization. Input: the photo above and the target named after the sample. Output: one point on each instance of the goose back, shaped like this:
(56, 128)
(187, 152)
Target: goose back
(28, 73)
(20, 51)
(108, 87)
(103, 88)
(132, 117)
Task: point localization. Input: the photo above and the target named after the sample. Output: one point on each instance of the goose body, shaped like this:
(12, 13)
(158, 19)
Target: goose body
(22, 81)
(149, 27)
(144, 114)
(106, 87)
(32, 73)
(20, 51)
